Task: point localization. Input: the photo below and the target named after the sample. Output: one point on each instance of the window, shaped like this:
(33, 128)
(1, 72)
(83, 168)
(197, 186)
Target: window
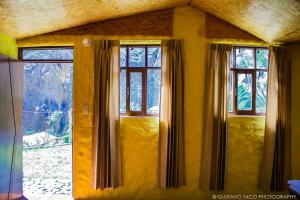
(140, 78)
(248, 80)
(47, 121)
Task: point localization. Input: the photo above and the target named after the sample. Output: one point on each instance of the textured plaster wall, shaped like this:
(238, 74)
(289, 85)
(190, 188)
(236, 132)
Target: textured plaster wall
(82, 130)
(245, 148)
(139, 136)
(189, 25)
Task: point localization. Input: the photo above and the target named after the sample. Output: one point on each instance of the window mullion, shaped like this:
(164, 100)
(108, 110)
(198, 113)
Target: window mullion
(254, 83)
(127, 82)
(145, 82)
(234, 82)
(254, 92)
(144, 92)
(235, 91)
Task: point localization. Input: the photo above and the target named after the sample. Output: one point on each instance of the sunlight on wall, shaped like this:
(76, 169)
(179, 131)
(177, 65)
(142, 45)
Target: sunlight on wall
(8, 46)
(245, 149)
(139, 139)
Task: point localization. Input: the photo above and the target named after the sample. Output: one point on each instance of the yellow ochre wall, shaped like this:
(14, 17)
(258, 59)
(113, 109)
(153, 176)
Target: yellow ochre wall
(139, 136)
(245, 148)
(8, 46)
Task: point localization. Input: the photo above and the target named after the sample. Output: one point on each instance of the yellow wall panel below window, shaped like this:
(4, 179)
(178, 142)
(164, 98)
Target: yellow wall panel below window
(245, 150)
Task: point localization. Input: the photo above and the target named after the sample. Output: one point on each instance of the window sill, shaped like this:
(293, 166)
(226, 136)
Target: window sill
(131, 116)
(246, 116)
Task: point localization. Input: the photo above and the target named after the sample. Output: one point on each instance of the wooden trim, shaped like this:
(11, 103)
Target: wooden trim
(140, 45)
(234, 83)
(235, 92)
(48, 61)
(20, 54)
(254, 83)
(145, 82)
(127, 82)
(47, 47)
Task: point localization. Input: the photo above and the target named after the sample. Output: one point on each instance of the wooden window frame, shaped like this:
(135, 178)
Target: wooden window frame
(143, 70)
(235, 71)
(20, 54)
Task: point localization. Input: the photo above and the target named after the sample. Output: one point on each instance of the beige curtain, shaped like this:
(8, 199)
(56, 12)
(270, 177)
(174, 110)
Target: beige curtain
(106, 147)
(171, 167)
(275, 168)
(215, 136)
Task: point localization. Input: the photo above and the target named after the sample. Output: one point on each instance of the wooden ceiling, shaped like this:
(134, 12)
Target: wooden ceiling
(269, 20)
(24, 18)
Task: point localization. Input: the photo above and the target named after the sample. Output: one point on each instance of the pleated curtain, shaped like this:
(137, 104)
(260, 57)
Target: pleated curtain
(171, 140)
(106, 144)
(214, 144)
(275, 167)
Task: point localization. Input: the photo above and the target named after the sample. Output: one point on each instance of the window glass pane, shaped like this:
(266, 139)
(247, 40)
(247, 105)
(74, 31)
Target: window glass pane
(123, 91)
(244, 58)
(262, 56)
(136, 57)
(230, 100)
(154, 57)
(47, 130)
(123, 54)
(261, 91)
(244, 92)
(153, 91)
(231, 59)
(136, 91)
(47, 54)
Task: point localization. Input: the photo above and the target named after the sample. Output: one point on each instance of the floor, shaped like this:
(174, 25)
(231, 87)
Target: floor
(48, 173)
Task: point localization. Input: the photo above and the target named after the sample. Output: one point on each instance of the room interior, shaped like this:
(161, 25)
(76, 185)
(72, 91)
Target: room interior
(139, 145)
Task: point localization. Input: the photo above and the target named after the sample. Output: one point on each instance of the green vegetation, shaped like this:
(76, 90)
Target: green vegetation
(245, 60)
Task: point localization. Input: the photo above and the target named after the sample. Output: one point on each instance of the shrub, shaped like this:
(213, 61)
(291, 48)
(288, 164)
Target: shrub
(54, 122)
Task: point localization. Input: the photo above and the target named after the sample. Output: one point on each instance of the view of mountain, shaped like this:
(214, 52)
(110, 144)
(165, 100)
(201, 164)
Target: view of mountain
(48, 95)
